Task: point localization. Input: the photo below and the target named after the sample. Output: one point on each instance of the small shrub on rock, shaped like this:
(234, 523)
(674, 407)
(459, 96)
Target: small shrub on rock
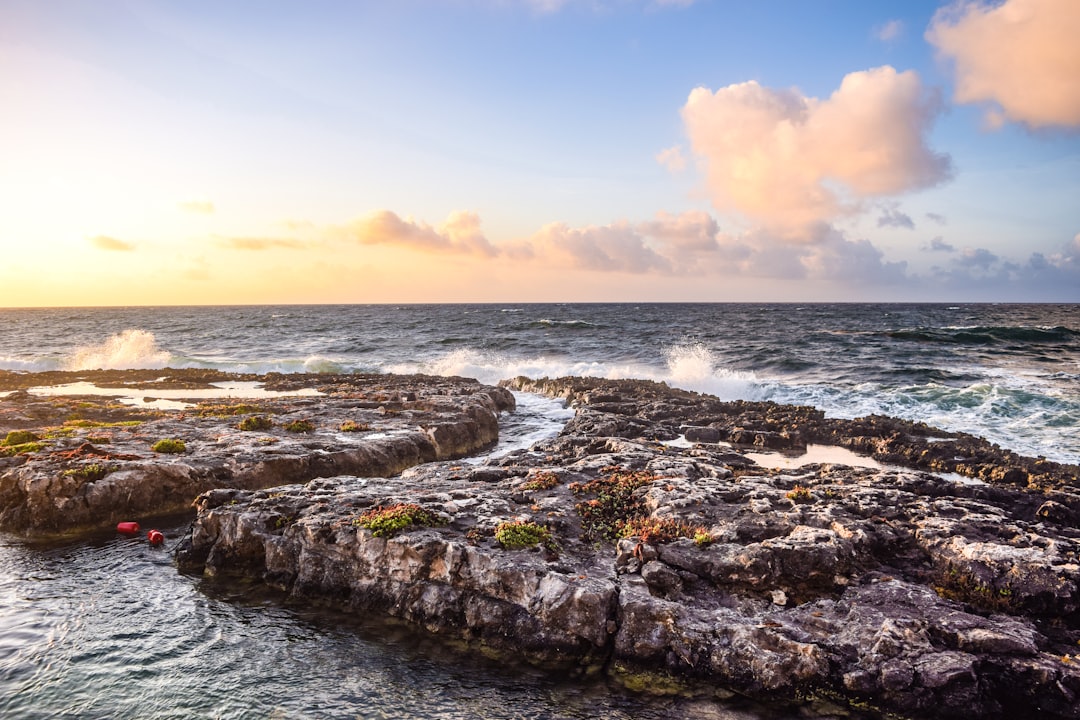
(169, 446)
(522, 534)
(656, 531)
(388, 521)
(21, 449)
(254, 423)
(89, 473)
(614, 502)
(540, 481)
(19, 437)
(799, 494)
(299, 426)
(353, 426)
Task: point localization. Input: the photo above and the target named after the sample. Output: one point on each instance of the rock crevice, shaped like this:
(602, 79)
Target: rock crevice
(900, 589)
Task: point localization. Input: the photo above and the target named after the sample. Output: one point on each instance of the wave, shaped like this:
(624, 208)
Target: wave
(128, 350)
(987, 334)
(689, 367)
(575, 324)
(1027, 419)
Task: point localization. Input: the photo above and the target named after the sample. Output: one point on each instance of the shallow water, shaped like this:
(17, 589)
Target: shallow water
(105, 627)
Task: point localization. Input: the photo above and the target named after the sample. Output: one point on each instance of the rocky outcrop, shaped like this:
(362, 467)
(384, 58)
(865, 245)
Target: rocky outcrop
(611, 549)
(80, 462)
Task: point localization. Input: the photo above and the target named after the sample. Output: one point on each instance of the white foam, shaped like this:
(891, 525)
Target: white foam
(690, 367)
(129, 350)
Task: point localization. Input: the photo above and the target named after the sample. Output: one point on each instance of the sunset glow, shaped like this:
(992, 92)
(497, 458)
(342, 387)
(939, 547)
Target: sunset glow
(165, 153)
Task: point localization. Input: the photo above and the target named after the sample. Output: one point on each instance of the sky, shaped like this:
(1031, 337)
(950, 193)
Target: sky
(198, 152)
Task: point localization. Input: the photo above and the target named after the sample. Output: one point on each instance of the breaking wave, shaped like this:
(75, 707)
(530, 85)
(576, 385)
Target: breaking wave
(129, 350)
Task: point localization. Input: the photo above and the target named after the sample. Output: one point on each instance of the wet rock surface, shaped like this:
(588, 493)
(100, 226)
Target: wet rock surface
(669, 565)
(69, 463)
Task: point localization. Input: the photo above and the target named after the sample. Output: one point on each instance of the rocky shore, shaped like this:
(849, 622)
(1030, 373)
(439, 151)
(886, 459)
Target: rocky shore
(71, 462)
(643, 544)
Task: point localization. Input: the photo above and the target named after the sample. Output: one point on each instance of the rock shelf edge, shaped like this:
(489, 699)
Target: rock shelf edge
(903, 591)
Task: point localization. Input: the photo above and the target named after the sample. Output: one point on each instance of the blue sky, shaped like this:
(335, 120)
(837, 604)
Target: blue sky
(470, 150)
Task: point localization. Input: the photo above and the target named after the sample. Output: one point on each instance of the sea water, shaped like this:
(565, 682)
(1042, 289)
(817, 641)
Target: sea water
(1009, 373)
(104, 627)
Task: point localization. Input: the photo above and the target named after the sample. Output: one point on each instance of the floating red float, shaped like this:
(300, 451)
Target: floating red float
(155, 537)
(127, 528)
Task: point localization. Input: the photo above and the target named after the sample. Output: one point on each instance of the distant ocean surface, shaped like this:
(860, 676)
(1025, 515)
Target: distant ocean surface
(1009, 373)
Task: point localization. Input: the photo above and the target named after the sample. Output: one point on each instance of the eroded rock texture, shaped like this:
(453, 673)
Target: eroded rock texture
(914, 593)
(89, 461)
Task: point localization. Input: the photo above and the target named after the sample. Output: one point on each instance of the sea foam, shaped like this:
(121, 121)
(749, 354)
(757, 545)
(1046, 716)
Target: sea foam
(129, 350)
(689, 367)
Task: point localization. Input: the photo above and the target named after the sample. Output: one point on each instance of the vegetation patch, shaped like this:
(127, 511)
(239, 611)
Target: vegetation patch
(60, 432)
(90, 473)
(523, 534)
(963, 586)
(223, 411)
(98, 424)
(658, 530)
(299, 426)
(799, 494)
(19, 437)
(387, 521)
(353, 426)
(20, 449)
(613, 504)
(540, 481)
(254, 423)
(169, 446)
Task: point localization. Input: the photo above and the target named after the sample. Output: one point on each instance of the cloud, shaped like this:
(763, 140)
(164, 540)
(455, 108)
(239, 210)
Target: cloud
(104, 242)
(889, 31)
(255, 243)
(460, 233)
(891, 217)
(1022, 56)
(203, 207)
(791, 162)
(983, 275)
(939, 219)
(672, 158)
(853, 262)
(976, 258)
(938, 244)
(617, 247)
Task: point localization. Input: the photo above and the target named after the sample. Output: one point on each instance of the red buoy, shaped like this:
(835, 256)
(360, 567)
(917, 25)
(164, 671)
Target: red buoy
(127, 528)
(155, 537)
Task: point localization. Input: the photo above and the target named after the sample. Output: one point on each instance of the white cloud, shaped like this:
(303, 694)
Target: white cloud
(672, 158)
(889, 31)
(459, 234)
(791, 162)
(1021, 56)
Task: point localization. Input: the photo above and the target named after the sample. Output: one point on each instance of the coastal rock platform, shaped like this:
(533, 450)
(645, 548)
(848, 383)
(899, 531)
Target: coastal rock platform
(72, 458)
(645, 544)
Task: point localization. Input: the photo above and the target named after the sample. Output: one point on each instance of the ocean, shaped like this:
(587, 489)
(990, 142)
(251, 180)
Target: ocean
(1009, 373)
(105, 627)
